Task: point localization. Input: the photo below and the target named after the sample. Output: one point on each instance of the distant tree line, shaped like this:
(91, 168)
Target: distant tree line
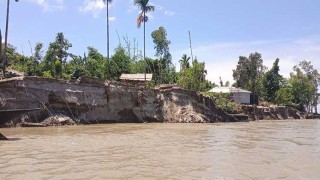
(57, 62)
(300, 90)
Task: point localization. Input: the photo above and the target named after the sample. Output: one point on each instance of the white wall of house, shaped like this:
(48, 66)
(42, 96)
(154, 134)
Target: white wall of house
(241, 97)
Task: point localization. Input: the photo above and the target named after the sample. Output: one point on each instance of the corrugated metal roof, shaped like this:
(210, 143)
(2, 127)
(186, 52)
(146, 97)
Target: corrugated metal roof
(136, 77)
(228, 90)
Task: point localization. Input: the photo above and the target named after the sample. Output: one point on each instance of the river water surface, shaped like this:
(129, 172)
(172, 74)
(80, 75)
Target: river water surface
(254, 150)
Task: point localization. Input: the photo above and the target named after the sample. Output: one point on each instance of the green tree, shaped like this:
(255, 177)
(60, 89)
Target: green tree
(38, 53)
(17, 61)
(33, 67)
(161, 45)
(58, 68)
(144, 7)
(12, 55)
(77, 64)
(138, 66)
(48, 62)
(60, 47)
(184, 62)
(154, 67)
(302, 89)
(313, 76)
(284, 96)
(95, 64)
(194, 78)
(249, 73)
(120, 63)
(272, 81)
(108, 48)
(227, 84)
(57, 50)
(222, 101)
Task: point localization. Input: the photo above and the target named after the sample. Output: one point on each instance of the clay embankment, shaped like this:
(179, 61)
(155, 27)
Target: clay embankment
(270, 113)
(56, 102)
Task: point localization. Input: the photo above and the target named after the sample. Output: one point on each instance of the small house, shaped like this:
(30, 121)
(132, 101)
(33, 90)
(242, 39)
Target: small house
(237, 95)
(135, 79)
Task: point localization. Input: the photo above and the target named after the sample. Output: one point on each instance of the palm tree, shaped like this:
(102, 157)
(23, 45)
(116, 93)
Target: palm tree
(108, 68)
(184, 62)
(144, 8)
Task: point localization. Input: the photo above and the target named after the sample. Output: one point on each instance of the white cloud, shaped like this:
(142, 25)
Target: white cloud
(95, 7)
(149, 15)
(49, 6)
(112, 18)
(156, 6)
(169, 13)
(132, 8)
(221, 58)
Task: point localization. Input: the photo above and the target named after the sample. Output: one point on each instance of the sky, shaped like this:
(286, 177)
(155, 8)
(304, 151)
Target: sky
(221, 30)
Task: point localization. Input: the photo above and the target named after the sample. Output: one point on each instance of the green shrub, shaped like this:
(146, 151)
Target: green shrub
(222, 100)
(47, 74)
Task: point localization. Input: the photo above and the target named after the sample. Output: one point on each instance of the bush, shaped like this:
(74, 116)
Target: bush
(222, 100)
(47, 74)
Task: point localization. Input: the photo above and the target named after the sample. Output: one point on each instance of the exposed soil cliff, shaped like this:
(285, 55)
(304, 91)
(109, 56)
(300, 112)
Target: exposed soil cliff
(270, 113)
(28, 100)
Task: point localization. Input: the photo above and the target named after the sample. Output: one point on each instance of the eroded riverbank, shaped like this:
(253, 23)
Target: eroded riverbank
(38, 102)
(86, 101)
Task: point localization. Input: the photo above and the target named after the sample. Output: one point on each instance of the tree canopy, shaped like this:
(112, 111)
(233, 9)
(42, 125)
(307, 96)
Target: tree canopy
(249, 73)
(299, 90)
(272, 82)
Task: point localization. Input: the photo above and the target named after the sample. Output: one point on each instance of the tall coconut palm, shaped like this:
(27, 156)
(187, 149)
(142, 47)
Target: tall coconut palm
(108, 58)
(144, 8)
(184, 62)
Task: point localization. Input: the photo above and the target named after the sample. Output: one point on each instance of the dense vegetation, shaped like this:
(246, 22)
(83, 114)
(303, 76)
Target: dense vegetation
(299, 90)
(57, 62)
(222, 100)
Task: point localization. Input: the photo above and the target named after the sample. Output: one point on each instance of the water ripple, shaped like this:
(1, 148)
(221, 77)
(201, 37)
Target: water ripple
(255, 150)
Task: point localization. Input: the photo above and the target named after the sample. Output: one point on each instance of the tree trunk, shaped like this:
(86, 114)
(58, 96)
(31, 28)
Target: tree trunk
(108, 60)
(315, 103)
(0, 46)
(6, 40)
(144, 48)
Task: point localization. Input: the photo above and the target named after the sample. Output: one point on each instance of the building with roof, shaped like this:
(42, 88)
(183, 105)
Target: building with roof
(135, 78)
(238, 95)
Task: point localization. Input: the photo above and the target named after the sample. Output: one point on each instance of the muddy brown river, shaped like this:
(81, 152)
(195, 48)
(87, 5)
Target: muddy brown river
(254, 150)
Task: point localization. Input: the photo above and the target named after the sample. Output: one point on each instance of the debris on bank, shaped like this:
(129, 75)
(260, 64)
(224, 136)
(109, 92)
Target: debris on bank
(3, 138)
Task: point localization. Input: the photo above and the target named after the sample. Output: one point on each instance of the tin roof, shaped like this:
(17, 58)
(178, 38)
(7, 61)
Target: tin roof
(136, 77)
(228, 90)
